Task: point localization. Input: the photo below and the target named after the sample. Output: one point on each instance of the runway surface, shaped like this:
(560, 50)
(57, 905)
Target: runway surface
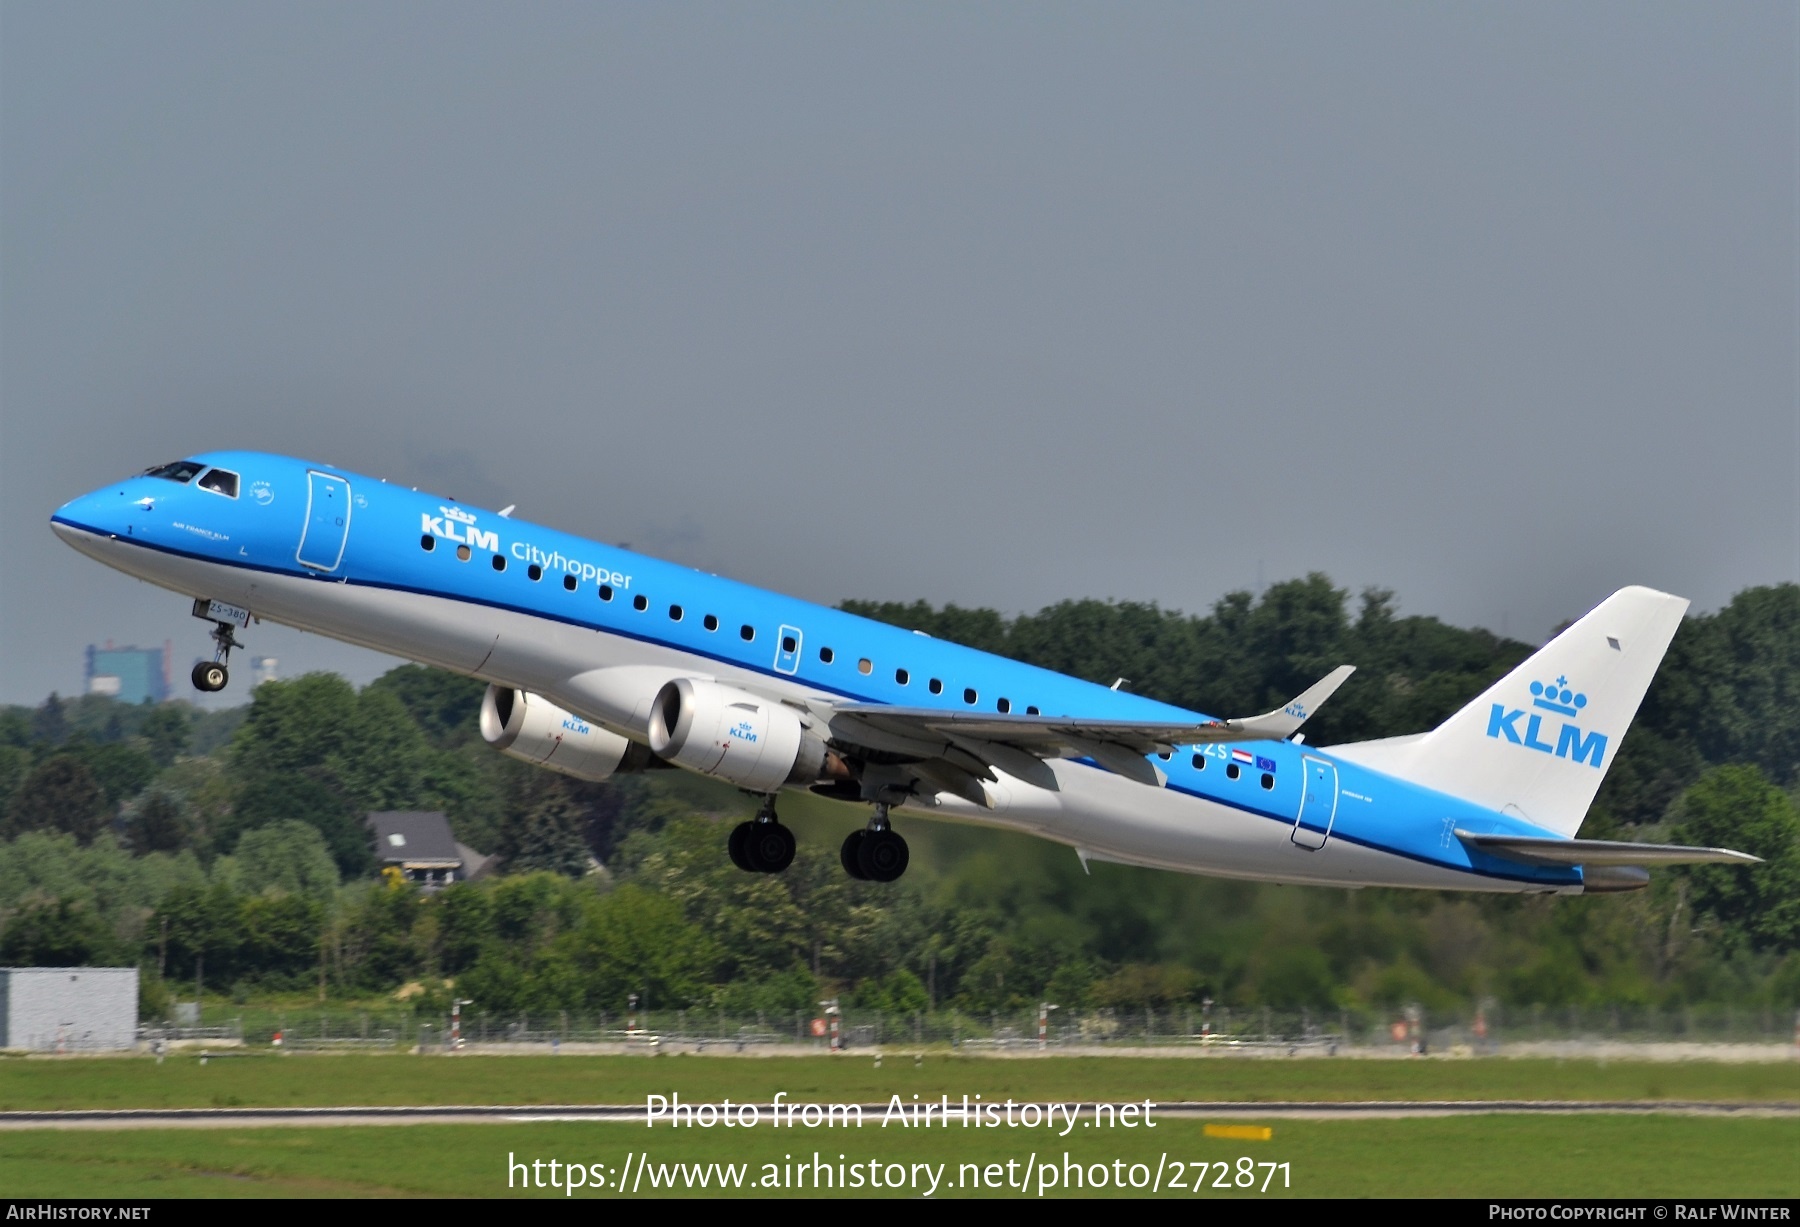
(244, 1118)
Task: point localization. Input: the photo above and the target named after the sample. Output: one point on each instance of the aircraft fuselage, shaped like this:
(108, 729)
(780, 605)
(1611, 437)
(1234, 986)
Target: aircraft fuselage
(598, 629)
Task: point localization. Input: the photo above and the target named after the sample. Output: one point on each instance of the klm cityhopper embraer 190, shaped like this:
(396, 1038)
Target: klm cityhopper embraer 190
(600, 661)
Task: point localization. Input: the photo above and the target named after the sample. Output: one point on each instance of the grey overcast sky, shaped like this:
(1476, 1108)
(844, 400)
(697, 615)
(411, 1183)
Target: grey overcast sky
(1494, 305)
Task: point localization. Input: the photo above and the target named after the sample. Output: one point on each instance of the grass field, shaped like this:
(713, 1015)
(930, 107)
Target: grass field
(1494, 1156)
(1466, 1156)
(310, 1081)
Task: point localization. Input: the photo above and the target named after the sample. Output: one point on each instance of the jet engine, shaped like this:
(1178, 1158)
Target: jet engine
(753, 742)
(534, 730)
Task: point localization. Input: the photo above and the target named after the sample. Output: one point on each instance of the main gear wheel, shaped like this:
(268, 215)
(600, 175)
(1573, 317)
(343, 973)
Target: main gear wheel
(761, 847)
(847, 855)
(882, 855)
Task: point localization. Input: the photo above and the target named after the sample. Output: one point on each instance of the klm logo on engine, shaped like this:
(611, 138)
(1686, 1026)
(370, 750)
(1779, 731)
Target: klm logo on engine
(1571, 741)
(458, 525)
(743, 730)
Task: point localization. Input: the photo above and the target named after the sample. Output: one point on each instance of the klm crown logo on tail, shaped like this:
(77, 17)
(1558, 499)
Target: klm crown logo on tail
(1571, 741)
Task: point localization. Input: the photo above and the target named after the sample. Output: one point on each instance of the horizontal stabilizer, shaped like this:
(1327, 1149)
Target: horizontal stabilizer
(1532, 851)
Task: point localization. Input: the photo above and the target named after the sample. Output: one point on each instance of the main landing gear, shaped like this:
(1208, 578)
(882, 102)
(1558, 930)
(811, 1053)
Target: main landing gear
(211, 675)
(876, 853)
(762, 845)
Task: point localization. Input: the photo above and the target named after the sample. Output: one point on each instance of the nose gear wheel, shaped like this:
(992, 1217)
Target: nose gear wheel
(211, 675)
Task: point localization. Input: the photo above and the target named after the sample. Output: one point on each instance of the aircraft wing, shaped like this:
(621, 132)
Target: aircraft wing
(1535, 851)
(1018, 744)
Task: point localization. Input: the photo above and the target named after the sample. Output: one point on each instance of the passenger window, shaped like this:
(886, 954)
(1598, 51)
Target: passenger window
(827, 655)
(710, 623)
(1231, 771)
(1199, 762)
(935, 686)
(1032, 711)
(865, 666)
(220, 481)
(499, 562)
(640, 602)
(428, 543)
(675, 613)
(1005, 705)
(789, 644)
(747, 633)
(1165, 755)
(969, 695)
(569, 582)
(902, 676)
(181, 470)
(535, 572)
(606, 591)
(1268, 781)
(462, 553)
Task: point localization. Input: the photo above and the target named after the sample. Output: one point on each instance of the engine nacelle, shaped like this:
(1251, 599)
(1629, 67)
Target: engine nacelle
(534, 730)
(755, 743)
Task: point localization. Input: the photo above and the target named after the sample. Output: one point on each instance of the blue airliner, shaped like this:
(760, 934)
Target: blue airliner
(600, 660)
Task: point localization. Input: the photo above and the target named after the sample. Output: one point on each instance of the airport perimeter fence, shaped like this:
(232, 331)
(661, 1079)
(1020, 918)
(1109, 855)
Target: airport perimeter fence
(1225, 1029)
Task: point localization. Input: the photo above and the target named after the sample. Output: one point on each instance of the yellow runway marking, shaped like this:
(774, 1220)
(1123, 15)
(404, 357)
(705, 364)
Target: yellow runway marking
(1241, 1133)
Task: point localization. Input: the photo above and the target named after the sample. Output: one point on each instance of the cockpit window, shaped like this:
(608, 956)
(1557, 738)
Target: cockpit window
(181, 470)
(220, 481)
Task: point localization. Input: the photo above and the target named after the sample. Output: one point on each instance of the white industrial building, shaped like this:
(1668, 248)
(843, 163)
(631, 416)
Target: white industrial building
(68, 1009)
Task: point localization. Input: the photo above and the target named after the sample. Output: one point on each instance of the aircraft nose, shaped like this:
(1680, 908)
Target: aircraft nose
(103, 511)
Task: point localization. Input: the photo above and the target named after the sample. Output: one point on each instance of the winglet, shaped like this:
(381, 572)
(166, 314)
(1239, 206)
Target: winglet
(1286, 721)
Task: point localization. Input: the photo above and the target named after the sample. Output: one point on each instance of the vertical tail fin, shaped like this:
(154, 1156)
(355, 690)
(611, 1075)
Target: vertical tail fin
(1538, 742)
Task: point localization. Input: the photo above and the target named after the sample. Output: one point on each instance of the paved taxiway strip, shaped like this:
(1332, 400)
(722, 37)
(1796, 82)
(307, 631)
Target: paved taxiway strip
(242, 1118)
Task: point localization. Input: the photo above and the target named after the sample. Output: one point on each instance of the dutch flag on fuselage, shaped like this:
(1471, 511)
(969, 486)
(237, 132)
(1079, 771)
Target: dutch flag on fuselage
(1243, 756)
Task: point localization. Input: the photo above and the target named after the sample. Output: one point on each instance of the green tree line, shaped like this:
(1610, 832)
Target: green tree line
(235, 841)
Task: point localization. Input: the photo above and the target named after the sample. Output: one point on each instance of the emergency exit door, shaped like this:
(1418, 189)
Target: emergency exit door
(1318, 804)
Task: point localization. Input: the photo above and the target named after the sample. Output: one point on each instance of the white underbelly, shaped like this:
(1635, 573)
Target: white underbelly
(1106, 817)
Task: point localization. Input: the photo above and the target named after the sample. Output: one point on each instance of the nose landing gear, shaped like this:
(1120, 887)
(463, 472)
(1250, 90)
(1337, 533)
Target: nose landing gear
(762, 845)
(876, 853)
(212, 675)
